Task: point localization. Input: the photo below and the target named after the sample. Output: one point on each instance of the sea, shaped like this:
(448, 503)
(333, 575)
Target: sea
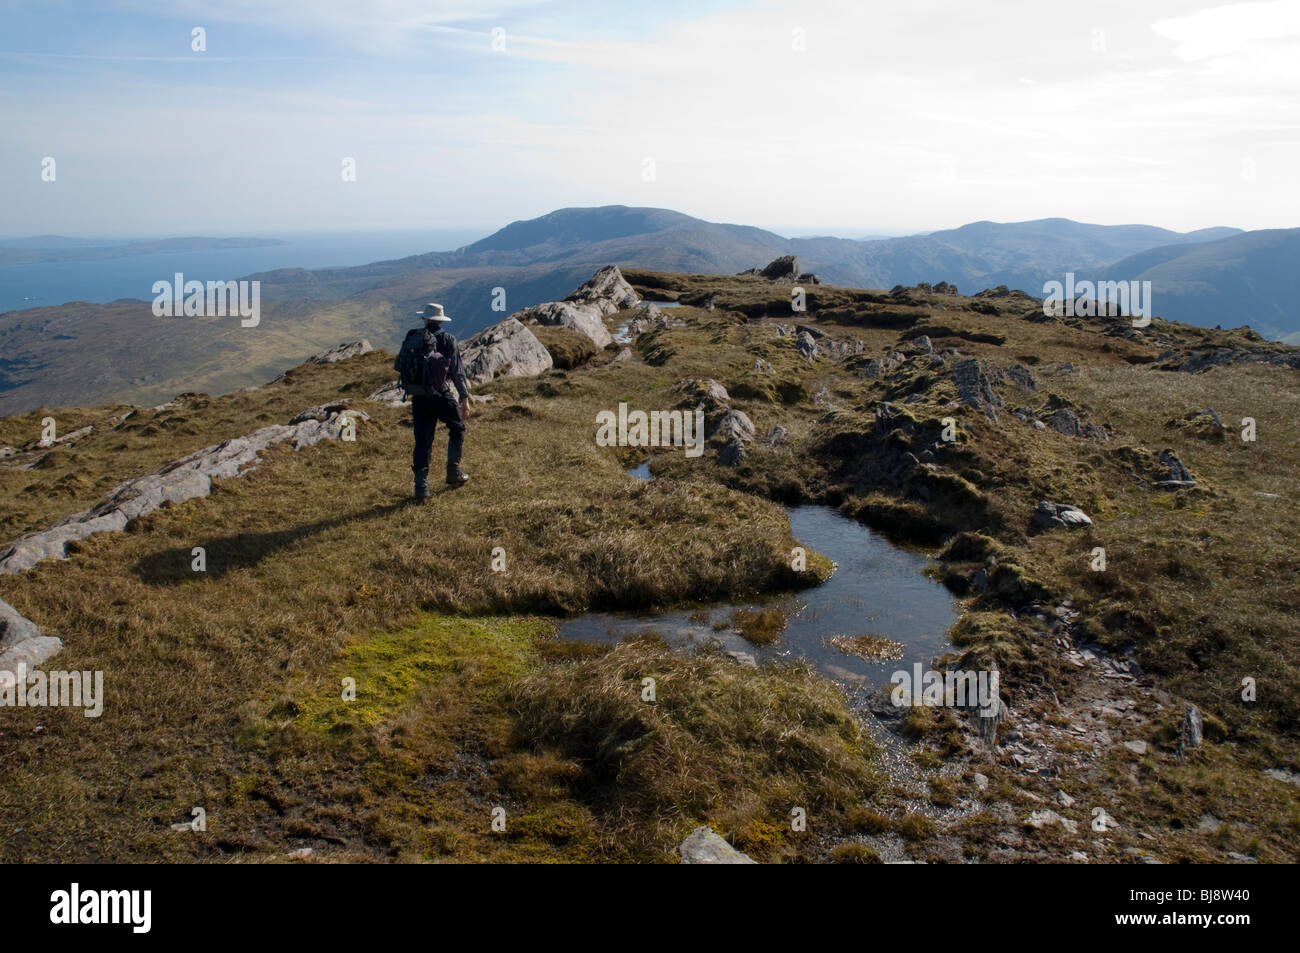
(103, 280)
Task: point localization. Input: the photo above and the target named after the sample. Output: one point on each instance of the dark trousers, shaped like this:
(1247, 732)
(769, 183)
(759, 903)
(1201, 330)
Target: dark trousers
(425, 414)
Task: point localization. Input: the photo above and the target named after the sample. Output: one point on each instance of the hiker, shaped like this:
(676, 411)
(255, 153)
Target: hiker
(429, 365)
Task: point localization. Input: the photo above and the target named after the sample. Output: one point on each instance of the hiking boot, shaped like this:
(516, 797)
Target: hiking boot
(421, 485)
(456, 476)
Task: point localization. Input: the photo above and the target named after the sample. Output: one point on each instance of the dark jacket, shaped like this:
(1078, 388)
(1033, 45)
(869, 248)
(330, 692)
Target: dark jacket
(446, 345)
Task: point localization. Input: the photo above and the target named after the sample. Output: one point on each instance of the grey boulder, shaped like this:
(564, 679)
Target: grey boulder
(506, 349)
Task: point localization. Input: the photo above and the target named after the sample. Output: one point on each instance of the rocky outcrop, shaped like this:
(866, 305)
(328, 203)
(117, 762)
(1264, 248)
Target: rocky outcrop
(184, 479)
(974, 387)
(784, 268)
(1064, 420)
(607, 291)
(806, 345)
(341, 352)
(1022, 376)
(703, 846)
(586, 319)
(506, 349)
(1225, 357)
(509, 349)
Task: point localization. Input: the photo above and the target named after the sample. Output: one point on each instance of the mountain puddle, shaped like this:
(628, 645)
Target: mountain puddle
(876, 614)
(623, 335)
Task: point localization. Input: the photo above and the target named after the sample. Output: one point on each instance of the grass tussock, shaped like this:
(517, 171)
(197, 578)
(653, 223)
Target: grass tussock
(683, 739)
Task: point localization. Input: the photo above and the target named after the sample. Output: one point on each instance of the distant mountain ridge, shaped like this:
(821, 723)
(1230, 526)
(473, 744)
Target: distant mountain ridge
(1250, 278)
(1022, 255)
(1219, 276)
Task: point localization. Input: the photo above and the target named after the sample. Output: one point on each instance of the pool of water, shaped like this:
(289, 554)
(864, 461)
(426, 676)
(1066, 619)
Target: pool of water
(877, 589)
(623, 336)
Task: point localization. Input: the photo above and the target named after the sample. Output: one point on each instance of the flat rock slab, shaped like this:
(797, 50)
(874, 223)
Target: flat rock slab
(184, 479)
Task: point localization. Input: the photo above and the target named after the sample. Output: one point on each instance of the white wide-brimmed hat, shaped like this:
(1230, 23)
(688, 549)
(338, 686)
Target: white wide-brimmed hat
(433, 312)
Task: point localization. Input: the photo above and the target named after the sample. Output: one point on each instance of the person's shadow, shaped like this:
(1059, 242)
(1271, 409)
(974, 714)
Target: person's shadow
(223, 554)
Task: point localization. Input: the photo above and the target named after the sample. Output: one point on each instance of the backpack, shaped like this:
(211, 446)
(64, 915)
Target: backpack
(421, 366)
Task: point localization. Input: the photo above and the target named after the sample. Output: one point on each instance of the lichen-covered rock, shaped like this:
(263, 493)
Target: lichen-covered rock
(506, 349)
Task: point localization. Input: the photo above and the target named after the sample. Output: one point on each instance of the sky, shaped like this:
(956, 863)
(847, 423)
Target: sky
(851, 117)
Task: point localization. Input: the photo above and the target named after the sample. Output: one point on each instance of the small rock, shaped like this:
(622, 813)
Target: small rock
(1063, 515)
(1137, 747)
(731, 453)
(733, 425)
(1022, 376)
(703, 846)
(1041, 819)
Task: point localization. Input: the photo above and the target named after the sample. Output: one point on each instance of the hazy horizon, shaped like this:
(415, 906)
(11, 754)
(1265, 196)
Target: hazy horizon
(785, 231)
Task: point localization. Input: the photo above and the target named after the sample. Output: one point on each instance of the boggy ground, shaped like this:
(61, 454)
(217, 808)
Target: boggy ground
(224, 687)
